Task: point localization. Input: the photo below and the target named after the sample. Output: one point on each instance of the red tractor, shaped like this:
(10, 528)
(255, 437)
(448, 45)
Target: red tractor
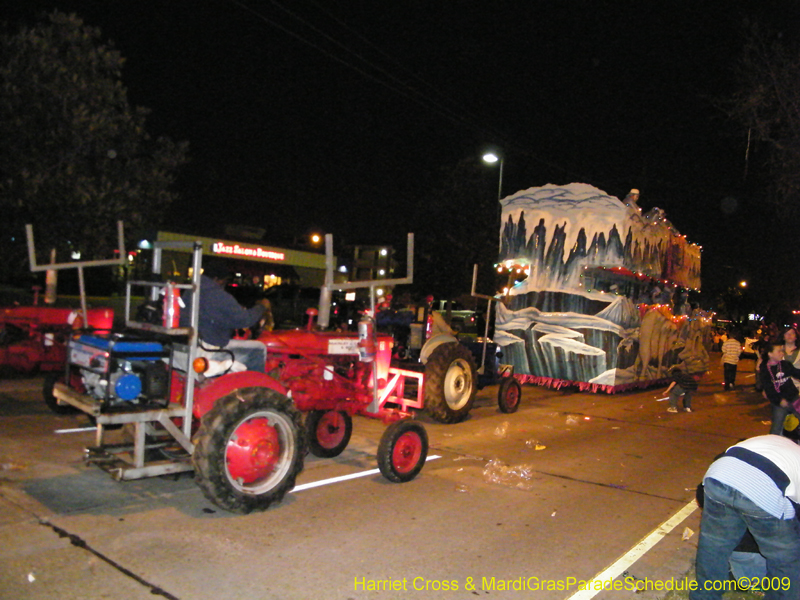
(333, 376)
(35, 337)
(242, 432)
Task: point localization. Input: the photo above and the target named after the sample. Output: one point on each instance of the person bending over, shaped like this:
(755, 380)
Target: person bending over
(683, 384)
(754, 486)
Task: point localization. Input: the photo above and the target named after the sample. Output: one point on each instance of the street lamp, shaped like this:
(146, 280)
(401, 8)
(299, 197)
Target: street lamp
(492, 158)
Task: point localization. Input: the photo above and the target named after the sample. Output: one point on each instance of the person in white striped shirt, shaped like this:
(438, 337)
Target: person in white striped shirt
(755, 485)
(731, 350)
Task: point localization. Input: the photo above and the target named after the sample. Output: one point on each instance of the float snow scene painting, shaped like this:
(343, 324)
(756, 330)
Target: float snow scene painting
(598, 292)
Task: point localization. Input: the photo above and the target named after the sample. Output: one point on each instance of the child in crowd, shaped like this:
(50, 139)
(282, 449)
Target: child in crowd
(776, 378)
(684, 385)
(731, 349)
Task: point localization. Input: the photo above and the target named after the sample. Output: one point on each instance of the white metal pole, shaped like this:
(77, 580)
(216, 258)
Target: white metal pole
(51, 280)
(500, 182)
(82, 288)
(324, 316)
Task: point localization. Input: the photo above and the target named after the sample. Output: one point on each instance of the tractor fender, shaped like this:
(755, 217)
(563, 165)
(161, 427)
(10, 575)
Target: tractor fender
(211, 390)
(433, 343)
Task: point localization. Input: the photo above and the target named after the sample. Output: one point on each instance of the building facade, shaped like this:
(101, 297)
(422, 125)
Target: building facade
(268, 265)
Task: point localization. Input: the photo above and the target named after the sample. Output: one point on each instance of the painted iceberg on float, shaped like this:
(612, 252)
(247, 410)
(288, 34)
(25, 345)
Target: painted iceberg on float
(598, 291)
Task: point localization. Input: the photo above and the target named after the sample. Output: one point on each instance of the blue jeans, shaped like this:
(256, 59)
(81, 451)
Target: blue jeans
(675, 393)
(748, 564)
(727, 514)
(778, 417)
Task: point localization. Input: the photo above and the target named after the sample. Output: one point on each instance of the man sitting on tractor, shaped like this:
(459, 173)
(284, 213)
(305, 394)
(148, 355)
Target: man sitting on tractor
(220, 315)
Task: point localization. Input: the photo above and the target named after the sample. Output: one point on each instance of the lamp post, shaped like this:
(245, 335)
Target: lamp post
(492, 158)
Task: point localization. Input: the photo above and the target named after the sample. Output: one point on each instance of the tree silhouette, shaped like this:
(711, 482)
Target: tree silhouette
(767, 105)
(75, 156)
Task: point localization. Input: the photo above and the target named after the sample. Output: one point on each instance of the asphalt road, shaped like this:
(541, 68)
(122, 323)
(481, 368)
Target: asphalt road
(590, 476)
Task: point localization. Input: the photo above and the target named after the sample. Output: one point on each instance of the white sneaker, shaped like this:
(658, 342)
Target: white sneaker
(672, 409)
(688, 409)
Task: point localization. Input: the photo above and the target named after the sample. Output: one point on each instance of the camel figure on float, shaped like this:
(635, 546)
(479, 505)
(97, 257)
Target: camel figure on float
(658, 335)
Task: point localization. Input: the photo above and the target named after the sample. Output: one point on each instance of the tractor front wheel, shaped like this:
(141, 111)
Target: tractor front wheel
(402, 451)
(328, 432)
(249, 450)
(509, 395)
(450, 383)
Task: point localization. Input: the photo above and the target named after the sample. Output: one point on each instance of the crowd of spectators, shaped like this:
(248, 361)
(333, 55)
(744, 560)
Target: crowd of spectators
(751, 493)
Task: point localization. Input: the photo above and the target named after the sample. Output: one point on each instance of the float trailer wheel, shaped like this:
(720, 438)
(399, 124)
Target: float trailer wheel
(509, 395)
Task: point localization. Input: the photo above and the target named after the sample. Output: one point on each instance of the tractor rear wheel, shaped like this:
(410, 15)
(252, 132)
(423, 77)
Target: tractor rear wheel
(328, 432)
(402, 451)
(450, 383)
(509, 395)
(249, 450)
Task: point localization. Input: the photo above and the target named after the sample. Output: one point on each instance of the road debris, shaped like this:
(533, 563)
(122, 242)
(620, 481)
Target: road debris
(501, 431)
(515, 476)
(469, 457)
(534, 444)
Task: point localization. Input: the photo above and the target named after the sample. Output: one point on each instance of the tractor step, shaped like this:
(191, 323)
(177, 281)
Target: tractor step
(109, 460)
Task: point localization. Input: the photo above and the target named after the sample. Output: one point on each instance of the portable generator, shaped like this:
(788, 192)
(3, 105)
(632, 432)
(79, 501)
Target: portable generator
(122, 370)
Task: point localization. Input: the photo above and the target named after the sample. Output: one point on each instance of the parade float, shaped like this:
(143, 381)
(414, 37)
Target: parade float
(598, 291)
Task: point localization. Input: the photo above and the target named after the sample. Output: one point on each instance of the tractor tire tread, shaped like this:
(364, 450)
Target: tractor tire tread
(386, 448)
(506, 392)
(317, 449)
(435, 372)
(208, 457)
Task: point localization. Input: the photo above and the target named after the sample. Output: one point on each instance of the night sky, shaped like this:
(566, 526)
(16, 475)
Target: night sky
(343, 115)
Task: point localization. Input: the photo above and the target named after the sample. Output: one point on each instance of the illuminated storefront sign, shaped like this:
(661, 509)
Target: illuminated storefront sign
(246, 251)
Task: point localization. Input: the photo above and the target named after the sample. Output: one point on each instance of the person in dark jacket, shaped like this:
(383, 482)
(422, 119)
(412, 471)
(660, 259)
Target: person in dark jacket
(220, 315)
(776, 380)
(684, 385)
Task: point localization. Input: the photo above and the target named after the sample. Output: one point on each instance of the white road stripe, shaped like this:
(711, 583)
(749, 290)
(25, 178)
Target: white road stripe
(635, 553)
(297, 488)
(321, 482)
(76, 430)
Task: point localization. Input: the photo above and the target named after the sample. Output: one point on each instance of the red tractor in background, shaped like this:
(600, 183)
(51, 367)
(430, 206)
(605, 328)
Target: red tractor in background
(35, 337)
